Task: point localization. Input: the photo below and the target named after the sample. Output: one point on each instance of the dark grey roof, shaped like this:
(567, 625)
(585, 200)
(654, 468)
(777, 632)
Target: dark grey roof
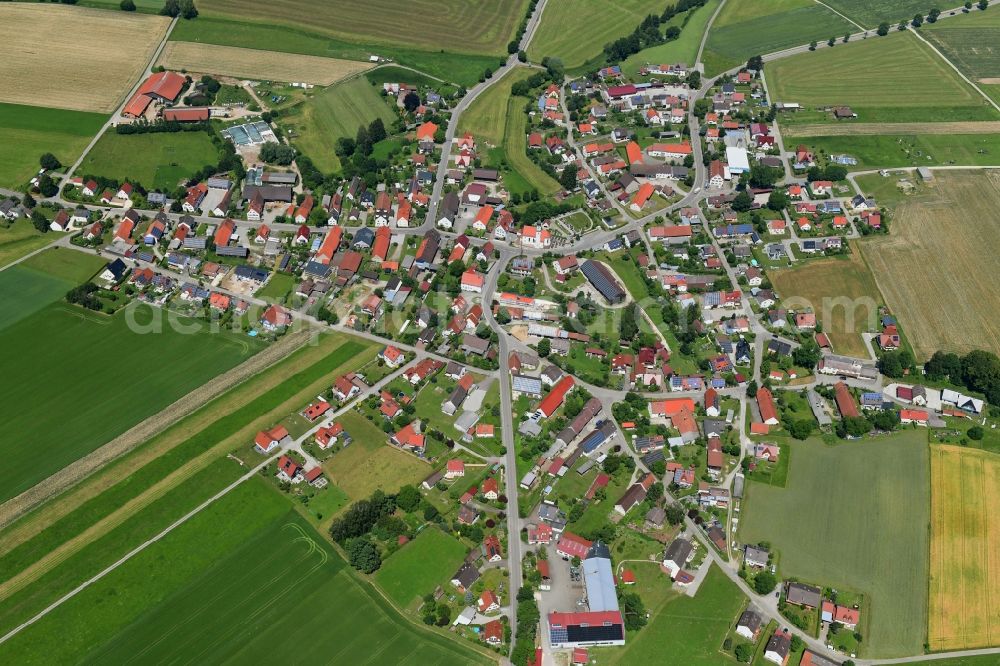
(599, 549)
(751, 620)
(678, 551)
(603, 281)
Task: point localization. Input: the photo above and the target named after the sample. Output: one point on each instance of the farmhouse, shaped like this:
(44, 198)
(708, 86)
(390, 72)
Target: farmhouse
(165, 87)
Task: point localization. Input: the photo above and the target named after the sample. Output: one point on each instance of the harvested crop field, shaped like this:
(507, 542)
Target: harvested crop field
(965, 549)
(882, 129)
(256, 64)
(937, 269)
(842, 293)
(466, 26)
(100, 56)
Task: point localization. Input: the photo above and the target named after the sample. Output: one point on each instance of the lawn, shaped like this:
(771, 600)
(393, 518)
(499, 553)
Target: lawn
(965, 558)
(689, 629)
(157, 161)
(684, 49)
(464, 70)
(870, 13)
(486, 116)
(27, 132)
(420, 566)
(336, 112)
(923, 273)
(884, 556)
(970, 42)
(841, 291)
(575, 32)
(884, 80)
(465, 27)
(132, 499)
(758, 27)
(370, 463)
(241, 576)
(515, 144)
(278, 287)
(92, 357)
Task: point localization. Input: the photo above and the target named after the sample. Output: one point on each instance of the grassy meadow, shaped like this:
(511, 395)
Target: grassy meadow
(841, 291)
(420, 566)
(27, 132)
(157, 161)
(20, 238)
(884, 80)
(819, 537)
(870, 13)
(684, 49)
(971, 42)
(333, 113)
(889, 151)
(689, 629)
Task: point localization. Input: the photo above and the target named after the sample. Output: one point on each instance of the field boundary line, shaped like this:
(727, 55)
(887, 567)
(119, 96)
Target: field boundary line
(708, 28)
(843, 16)
(79, 471)
(132, 553)
(975, 87)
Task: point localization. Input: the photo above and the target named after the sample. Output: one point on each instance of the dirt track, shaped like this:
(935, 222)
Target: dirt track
(848, 129)
(68, 477)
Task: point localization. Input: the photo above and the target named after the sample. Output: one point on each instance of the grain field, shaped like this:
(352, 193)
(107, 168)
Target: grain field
(937, 268)
(99, 56)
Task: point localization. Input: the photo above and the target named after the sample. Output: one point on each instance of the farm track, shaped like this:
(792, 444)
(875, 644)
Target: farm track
(65, 479)
(874, 129)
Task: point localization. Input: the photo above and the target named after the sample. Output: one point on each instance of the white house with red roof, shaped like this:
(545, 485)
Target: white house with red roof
(454, 469)
(410, 439)
(289, 470)
(392, 356)
(571, 545)
(488, 602)
(473, 281)
(267, 441)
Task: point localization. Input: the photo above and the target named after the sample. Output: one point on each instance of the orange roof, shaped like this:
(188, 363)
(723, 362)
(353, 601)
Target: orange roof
(186, 115)
(551, 402)
(330, 244)
(426, 132)
(381, 247)
(765, 402)
(678, 148)
(634, 153)
(484, 215)
(167, 85)
(224, 233)
(671, 406)
(642, 196)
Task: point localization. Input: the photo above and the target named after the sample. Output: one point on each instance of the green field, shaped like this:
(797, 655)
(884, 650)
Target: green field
(485, 117)
(277, 287)
(870, 13)
(464, 70)
(26, 132)
(336, 112)
(889, 79)
(157, 161)
(239, 578)
(690, 630)
(758, 27)
(911, 150)
(465, 27)
(684, 49)
(575, 32)
(971, 42)
(420, 566)
(41, 280)
(820, 537)
(515, 146)
(86, 389)
(20, 239)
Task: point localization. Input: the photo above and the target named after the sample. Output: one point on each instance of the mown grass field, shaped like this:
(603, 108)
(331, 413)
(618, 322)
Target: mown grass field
(257, 64)
(92, 355)
(486, 116)
(936, 283)
(971, 42)
(684, 49)
(515, 145)
(333, 113)
(40, 280)
(822, 540)
(841, 291)
(27, 132)
(576, 32)
(93, 71)
(159, 160)
(965, 553)
(464, 70)
(757, 27)
(370, 463)
(689, 629)
(240, 577)
(420, 566)
(465, 27)
(888, 79)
